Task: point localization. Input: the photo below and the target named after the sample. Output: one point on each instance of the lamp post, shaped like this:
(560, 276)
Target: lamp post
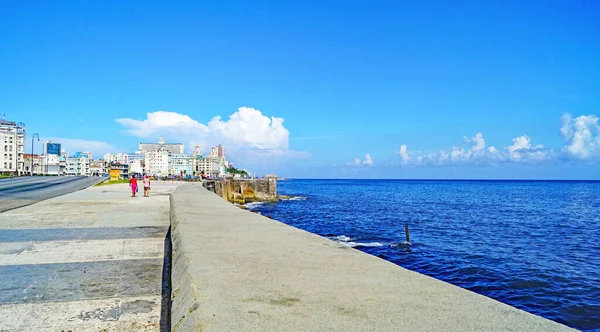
(32, 138)
(20, 130)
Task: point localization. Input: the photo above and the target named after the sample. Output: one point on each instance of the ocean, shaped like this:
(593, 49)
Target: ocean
(534, 245)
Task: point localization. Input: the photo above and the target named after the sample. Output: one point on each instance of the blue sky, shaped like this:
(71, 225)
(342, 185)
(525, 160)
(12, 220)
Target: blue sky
(347, 78)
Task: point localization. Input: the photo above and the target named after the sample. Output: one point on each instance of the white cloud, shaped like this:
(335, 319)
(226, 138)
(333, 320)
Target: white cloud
(247, 128)
(520, 151)
(161, 123)
(368, 161)
(250, 137)
(520, 144)
(478, 142)
(72, 145)
(582, 136)
(404, 157)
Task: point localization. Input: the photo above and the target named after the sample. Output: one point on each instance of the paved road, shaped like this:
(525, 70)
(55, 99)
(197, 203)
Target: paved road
(24, 191)
(92, 260)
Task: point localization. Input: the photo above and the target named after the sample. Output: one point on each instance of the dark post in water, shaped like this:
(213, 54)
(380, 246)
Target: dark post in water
(406, 231)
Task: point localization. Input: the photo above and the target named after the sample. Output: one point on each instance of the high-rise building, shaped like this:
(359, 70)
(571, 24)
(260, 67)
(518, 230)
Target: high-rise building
(52, 148)
(173, 148)
(12, 147)
(156, 162)
(221, 151)
(181, 164)
(79, 164)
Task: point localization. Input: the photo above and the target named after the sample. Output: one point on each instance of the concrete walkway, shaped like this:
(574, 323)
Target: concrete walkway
(87, 261)
(234, 270)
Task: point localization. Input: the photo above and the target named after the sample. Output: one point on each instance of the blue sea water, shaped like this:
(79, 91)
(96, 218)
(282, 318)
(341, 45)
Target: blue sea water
(532, 244)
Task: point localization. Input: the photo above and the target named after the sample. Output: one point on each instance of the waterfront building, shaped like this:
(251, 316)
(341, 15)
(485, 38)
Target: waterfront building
(52, 148)
(220, 151)
(99, 167)
(172, 148)
(211, 166)
(181, 164)
(88, 154)
(123, 169)
(156, 162)
(136, 163)
(35, 160)
(53, 164)
(197, 152)
(122, 158)
(12, 147)
(136, 167)
(78, 164)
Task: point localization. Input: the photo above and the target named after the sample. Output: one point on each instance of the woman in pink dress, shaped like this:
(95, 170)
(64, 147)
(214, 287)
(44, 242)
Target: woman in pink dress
(133, 185)
(146, 185)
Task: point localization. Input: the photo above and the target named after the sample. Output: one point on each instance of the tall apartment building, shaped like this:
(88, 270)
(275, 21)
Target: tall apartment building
(12, 147)
(172, 148)
(121, 158)
(211, 166)
(181, 164)
(220, 151)
(78, 164)
(136, 163)
(52, 148)
(156, 162)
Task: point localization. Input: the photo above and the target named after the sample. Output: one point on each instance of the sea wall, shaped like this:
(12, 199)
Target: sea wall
(243, 191)
(234, 270)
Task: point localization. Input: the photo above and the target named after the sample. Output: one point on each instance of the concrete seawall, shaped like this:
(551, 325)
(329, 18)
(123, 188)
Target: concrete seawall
(243, 191)
(234, 270)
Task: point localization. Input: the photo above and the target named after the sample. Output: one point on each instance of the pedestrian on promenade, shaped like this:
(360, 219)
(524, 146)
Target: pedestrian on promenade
(147, 186)
(133, 185)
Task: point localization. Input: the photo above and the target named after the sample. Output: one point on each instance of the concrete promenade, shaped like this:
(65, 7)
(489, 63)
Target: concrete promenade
(87, 261)
(234, 270)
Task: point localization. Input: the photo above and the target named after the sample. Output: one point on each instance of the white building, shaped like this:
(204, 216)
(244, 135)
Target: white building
(172, 148)
(78, 164)
(12, 147)
(136, 163)
(121, 158)
(181, 164)
(99, 167)
(211, 166)
(157, 162)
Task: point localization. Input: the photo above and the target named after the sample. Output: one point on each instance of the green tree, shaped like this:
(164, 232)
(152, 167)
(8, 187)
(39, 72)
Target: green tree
(234, 171)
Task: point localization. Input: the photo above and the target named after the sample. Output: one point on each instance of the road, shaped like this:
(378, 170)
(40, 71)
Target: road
(23, 191)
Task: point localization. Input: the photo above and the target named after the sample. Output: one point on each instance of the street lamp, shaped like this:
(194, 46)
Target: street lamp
(32, 138)
(20, 130)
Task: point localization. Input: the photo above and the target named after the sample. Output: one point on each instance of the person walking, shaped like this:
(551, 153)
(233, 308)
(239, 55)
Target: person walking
(146, 186)
(133, 185)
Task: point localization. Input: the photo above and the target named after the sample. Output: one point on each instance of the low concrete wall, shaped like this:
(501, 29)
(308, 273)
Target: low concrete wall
(243, 191)
(234, 270)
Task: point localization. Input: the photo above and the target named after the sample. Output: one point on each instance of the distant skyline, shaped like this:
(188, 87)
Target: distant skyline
(388, 89)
